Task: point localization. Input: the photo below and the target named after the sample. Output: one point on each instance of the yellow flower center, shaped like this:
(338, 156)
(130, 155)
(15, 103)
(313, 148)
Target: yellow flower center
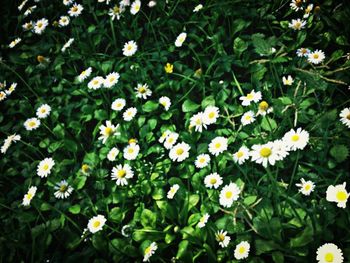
(329, 257)
(297, 25)
(39, 24)
(307, 187)
(96, 224)
(85, 168)
(121, 173)
(250, 96)
(137, 8)
(108, 131)
(45, 167)
(201, 160)
(341, 196)
(179, 151)
(63, 188)
(240, 154)
(170, 140)
(169, 68)
(43, 110)
(116, 9)
(348, 116)
(217, 145)
(130, 150)
(129, 47)
(211, 115)
(132, 141)
(142, 90)
(29, 196)
(213, 181)
(111, 79)
(263, 106)
(31, 123)
(241, 250)
(265, 152)
(316, 56)
(148, 250)
(198, 122)
(74, 9)
(221, 237)
(228, 194)
(248, 117)
(295, 138)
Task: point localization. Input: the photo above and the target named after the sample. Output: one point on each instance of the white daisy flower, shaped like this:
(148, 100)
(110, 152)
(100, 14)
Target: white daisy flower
(112, 154)
(29, 196)
(306, 187)
(135, 7)
(64, 190)
(28, 26)
(75, 10)
(264, 154)
(118, 104)
(129, 48)
(180, 39)
(29, 10)
(242, 250)
(164, 136)
(316, 57)
(296, 139)
(329, 252)
(179, 152)
(11, 88)
(20, 7)
(44, 167)
(96, 83)
(252, 96)
(129, 114)
(67, 45)
(32, 124)
(170, 140)
(296, 5)
(63, 21)
(229, 194)
(15, 42)
(213, 180)
(281, 149)
(67, 2)
(241, 155)
(111, 79)
(165, 102)
(43, 111)
(152, 4)
(2, 95)
(149, 251)
(211, 114)
(131, 151)
(84, 74)
(202, 161)
(303, 52)
(337, 194)
(121, 173)
(222, 238)
(308, 10)
(218, 145)
(203, 220)
(197, 8)
(197, 122)
(345, 117)
(264, 109)
(96, 223)
(116, 12)
(297, 24)
(8, 141)
(248, 118)
(107, 131)
(173, 189)
(40, 26)
(142, 91)
(287, 81)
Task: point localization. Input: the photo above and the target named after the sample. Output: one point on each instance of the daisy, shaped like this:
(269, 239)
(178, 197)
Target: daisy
(28, 26)
(129, 48)
(64, 190)
(15, 42)
(241, 155)
(84, 74)
(281, 149)
(40, 26)
(165, 102)
(202, 160)
(29, 10)
(8, 141)
(337, 194)
(242, 250)
(32, 124)
(172, 191)
(152, 4)
(248, 118)
(297, 24)
(75, 10)
(197, 8)
(306, 187)
(96, 223)
(170, 140)
(107, 131)
(264, 108)
(129, 114)
(67, 45)
(118, 104)
(142, 91)
(308, 10)
(164, 136)
(296, 5)
(44, 167)
(2, 95)
(197, 122)
(210, 115)
(67, 2)
(218, 145)
(96, 83)
(131, 151)
(296, 139)
(29, 196)
(11, 88)
(179, 152)
(169, 68)
(112, 154)
(287, 81)
(111, 79)
(85, 168)
(180, 39)
(303, 52)
(43, 111)
(264, 154)
(229, 194)
(252, 96)
(115, 12)
(20, 7)
(135, 7)
(316, 57)
(213, 180)
(222, 238)
(203, 220)
(345, 117)
(121, 173)
(329, 252)
(149, 251)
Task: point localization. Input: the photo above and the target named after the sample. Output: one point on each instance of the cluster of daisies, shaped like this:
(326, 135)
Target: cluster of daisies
(41, 113)
(98, 82)
(117, 10)
(5, 92)
(203, 119)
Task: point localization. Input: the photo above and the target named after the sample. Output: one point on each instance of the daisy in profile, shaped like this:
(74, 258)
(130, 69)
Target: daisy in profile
(142, 91)
(345, 117)
(196, 121)
(28, 26)
(75, 10)
(202, 160)
(67, 2)
(43, 111)
(210, 115)
(337, 194)
(251, 97)
(96, 83)
(213, 180)
(179, 152)
(40, 26)
(305, 187)
(296, 5)
(222, 238)
(131, 151)
(111, 79)
(152, 4)
(107, 131)
(63, 21)
(15, 42)
(241, 155)
(242, 250)
(118, 104)
(11, 88)
(8, 141)
(180, 39)
(129, 114)
(63, 190)
(264, 154)
(85, 168)
(303, 52)
(218, 145)
(149, 251)
(85, 74)
(32, 124)
(2, 95)
(287, 81)
(29, 10)
(316, 57)
(173, 189)
(135, 7)
(264, 108)
(170, 140)
(203, 220)
(112, 154)
(44, 167)
(121, 173)
(165, 102)
(116, 12)
(297, 24)
(197, 8)
(20, 7)
(248, 118)
(164, 136)
(129, 48)
(29, 196)
(96, 223)
(229, 194)
(67, 44)
(329, 252)
(296, 140)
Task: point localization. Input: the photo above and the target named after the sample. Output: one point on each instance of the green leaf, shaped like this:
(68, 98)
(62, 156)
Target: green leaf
(183, 245)
(303, 239)
(208, 101)
(70, 145)
(116, 215)
(189, 106)
(59, 131)
(148, 218)
(75, 209)
(339, 153)
(268, 124)
(262, 46)
(239, 46)
(150, 106)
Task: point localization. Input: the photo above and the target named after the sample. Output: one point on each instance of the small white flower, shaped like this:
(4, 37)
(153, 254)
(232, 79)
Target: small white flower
(85, 74)
(281, 149)
(218, 145)
(296, 139)
(40, 26)
(329, 252)
(170, 140)
(252, 96)
(11, 88)
(308, 10)
(131, 151)
(116, 11)
(149, 251)
(68, 44)
(210, 115)
(229, 194)
(8, 141)
(223, 238)
(264, 154)
(179, 152)
(121, 173)
(63, 21)
(303, 52)
(43, 111)
(64, 190)
(316, 57)
(165, 102)
(96, 83)
(203, 220)
(142, 91)
(20, 7)
(241, 155)
(96, 223)
(173, 189)
(306, 187)
(242, 250)
(29, 196)
(107, 131)
(264, 109)
(213, 180)
(337, 194)
(2, 95)
(118, 104)
(202, 160)
(164, 136)
(112, 154)
(345, 117)
(129, 48)
(180, 39)
(135, 7)
(297, 24)
(296, 5)
(287, 81)
(44, 167)
(67, 2)
(129, 114)
(196, 121)
(15, 42)
(111, 79)
(75, 10)
(32, 124)
(197, 8)
(248, 118)
(152, 4)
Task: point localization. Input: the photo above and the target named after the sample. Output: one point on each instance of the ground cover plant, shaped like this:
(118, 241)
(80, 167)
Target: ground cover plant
(174, 131)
